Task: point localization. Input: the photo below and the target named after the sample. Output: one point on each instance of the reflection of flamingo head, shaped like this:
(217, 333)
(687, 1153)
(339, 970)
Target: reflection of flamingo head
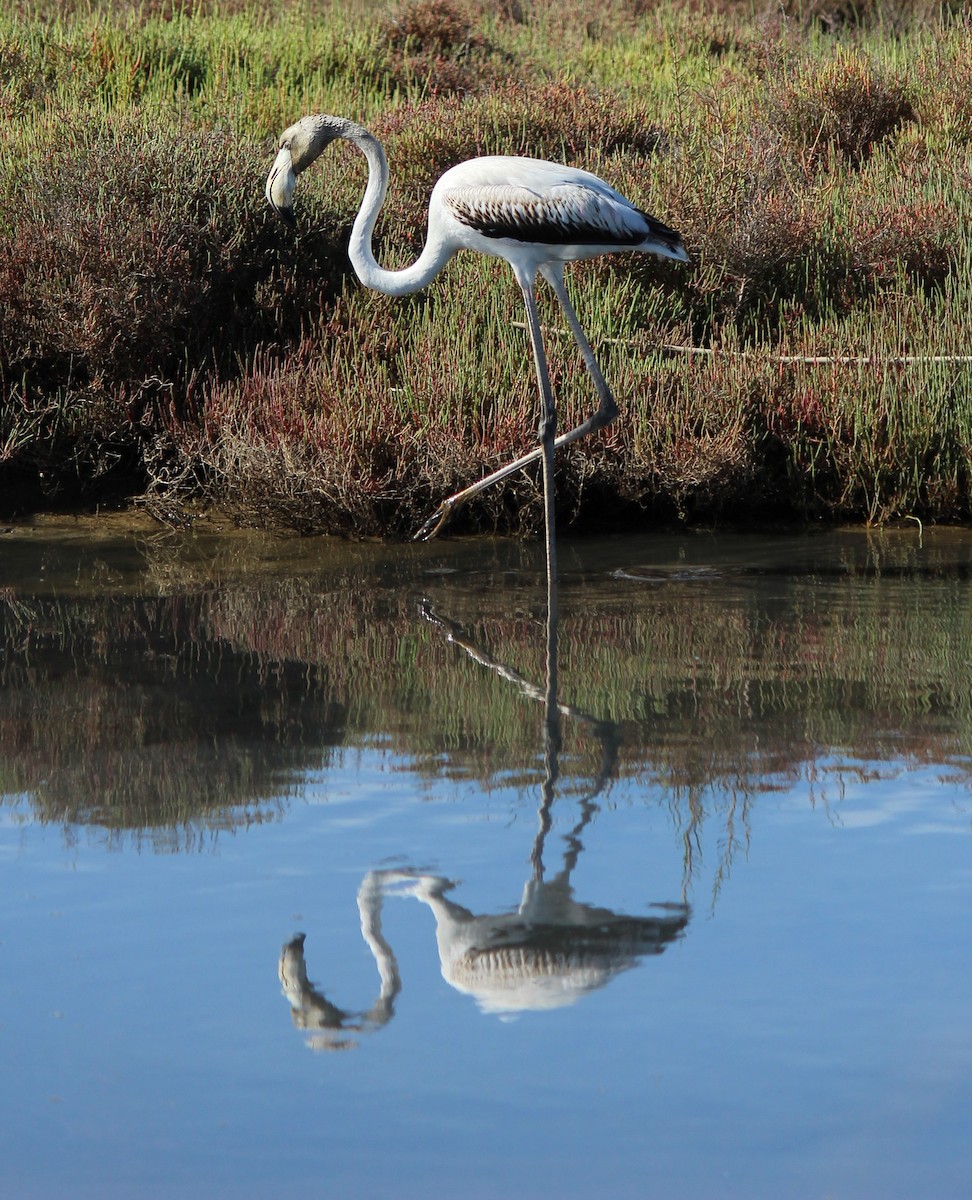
(309, 1008)
(546, 954)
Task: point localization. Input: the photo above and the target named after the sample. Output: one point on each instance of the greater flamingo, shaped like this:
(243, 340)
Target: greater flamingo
(537, 215)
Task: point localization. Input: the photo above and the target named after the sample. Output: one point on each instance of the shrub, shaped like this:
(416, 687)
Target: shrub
(433, 42)
(143, 259)
(919, 238)
(846, 107)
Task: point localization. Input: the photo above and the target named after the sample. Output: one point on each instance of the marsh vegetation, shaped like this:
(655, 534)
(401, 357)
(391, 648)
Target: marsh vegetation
(162, 337)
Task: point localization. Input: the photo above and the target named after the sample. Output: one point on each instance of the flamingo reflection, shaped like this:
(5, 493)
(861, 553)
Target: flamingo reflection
(547, 952)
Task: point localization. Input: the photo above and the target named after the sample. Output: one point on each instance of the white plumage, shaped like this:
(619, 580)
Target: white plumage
(536, 215)
(564, 212)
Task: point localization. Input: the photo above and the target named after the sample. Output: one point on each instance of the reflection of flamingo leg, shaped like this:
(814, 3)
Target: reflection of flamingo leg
(607, 732)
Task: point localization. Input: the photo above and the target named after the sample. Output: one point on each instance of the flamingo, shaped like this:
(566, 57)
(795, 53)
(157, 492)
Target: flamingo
(537, 215)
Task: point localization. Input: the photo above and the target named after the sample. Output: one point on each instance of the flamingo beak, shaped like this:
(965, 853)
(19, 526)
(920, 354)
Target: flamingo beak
(281, 183)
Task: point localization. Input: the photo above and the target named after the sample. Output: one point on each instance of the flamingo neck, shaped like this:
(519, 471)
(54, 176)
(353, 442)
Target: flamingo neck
(430, 262)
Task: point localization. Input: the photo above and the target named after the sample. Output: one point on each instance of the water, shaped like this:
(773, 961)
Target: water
(714, 944)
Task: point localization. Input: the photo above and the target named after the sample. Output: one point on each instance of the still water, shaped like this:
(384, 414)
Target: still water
(301, 894)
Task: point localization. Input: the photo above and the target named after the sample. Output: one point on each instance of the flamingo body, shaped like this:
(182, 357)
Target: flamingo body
(532, 212)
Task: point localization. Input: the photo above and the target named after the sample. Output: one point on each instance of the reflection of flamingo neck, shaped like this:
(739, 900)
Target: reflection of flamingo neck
(370, 896)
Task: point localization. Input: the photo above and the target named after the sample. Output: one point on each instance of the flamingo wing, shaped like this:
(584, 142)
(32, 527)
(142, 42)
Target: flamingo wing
(567, 213)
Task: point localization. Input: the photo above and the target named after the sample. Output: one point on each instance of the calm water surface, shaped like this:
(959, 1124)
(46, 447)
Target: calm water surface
(300, 897)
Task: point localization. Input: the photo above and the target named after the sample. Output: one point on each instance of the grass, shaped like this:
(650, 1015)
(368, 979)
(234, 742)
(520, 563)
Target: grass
(161, 338)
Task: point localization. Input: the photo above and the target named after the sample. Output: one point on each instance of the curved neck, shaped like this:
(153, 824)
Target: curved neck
(394, 283)
(370, 898)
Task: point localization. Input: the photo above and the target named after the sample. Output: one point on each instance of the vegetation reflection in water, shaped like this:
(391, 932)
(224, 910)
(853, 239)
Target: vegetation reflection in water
(180, 686)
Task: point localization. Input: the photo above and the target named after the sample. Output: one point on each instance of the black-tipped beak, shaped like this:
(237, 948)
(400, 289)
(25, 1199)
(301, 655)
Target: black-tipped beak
(287, 216)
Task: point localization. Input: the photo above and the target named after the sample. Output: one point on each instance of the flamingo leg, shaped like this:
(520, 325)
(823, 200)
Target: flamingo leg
(547, 433)
(606, 411)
